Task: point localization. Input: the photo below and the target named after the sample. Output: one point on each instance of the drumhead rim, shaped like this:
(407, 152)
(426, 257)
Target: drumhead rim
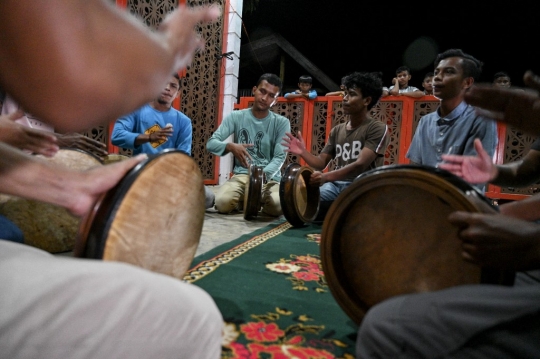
(253, 192)
(289, 182)
(100, 219)
(334, 221)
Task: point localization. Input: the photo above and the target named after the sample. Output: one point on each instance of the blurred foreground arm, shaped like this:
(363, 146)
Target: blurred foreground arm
(26, 138)
(512, 106)
(498, 241)
(90, 49)
(35, 178)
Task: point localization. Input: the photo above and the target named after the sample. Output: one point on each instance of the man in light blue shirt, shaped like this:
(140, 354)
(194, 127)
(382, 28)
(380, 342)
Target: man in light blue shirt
(454, 125)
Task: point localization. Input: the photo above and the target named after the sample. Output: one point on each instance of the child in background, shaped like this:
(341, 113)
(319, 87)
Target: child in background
(427, 84)
(304, 84)
(341, 92)
(400, 85)
(502, 79)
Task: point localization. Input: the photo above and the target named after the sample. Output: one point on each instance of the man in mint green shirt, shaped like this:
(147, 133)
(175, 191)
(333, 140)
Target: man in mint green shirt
(257, 134)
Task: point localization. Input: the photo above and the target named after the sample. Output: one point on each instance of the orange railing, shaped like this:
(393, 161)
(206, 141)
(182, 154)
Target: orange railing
(315, 119)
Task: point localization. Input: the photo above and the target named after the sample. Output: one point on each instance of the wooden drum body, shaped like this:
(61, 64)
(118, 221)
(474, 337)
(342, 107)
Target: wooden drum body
(152, 219)
(299, 200)
(388, 234)
(253, 192)
(47, 226)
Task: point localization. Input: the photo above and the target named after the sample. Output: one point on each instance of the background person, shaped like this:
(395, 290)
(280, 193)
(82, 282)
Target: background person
(400, 84)
(355, 146)
(305, 83)
(158, 126)
(427, 83)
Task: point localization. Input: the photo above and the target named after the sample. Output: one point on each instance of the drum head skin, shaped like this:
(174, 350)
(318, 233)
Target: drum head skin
(299, 200)
(152, 219)
(253, 192)
(388, 234)
(44, 225)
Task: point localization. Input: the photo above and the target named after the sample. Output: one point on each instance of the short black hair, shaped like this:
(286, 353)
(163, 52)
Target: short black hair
(472, 67)
(403, 68)
(176, 76)
(370, 83)
(500, 74)
(272, 79)
(429, 74)
(305, 79)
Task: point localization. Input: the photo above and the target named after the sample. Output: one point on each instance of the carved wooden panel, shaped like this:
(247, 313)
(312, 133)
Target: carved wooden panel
(319, 123)
(199, 87)
(517, 144)
(100, 133)
(200, 91)
(390, 113)
(422, 108)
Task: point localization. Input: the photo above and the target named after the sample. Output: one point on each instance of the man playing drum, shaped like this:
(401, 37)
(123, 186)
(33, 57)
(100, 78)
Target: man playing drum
(454, 126)
(355, 146)
(257, 135)
(157, 126)
(474, 321)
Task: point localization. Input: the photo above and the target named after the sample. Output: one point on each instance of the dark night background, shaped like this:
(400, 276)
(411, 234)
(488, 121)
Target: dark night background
(344, 36)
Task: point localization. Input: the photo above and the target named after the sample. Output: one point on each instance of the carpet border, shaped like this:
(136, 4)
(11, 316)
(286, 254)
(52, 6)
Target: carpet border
(206, 267)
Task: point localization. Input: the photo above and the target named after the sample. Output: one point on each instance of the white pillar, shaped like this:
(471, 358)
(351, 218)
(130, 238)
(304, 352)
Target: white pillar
(232, 68)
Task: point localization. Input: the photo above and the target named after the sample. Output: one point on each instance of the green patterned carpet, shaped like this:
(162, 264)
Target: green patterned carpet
(272, 293)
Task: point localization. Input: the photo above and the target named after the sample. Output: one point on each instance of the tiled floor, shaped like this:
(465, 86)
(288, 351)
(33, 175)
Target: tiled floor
(222, 228)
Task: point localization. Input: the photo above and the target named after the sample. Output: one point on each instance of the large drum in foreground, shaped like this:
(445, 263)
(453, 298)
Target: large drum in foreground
(152, 219)
(299, 200)
(388, 234)
(44, 225)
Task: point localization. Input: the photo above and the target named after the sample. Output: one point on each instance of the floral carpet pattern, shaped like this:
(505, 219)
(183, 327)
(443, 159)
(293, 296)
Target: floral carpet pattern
(272, 293)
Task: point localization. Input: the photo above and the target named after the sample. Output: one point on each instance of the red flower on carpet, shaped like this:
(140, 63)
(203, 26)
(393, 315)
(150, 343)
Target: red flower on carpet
(261, 331)
(304, 268)
(286, 352)
(306, 276)
(239, 351)
(265, 339)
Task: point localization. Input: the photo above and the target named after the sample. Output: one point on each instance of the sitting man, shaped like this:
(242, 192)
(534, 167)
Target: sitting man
(478, 320)
(355, 146)
(157, 126)
(257, 141)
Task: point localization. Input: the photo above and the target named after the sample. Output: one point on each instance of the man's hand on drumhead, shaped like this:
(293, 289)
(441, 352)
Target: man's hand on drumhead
(316, 178)
(498, 241)
(85, 187)
(240, 152)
